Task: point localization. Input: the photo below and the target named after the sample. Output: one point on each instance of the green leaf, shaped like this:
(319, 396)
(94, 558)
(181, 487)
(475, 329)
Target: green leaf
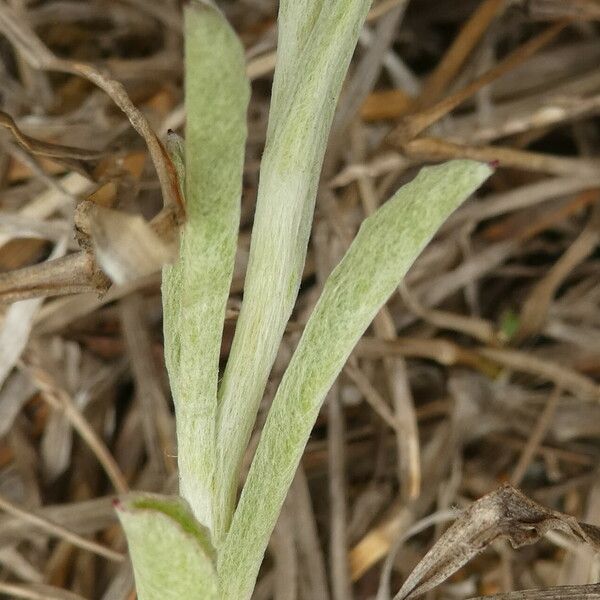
(196, 288)
(316, 41)
(509, 324)
(385, 247)
(172, 555)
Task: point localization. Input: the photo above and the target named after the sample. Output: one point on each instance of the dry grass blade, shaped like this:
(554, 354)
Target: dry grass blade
(16, 390)
(581, 565)
(557, 215)
(457, 54)
(157, 422)
(164, 12)
(341, 587)
(536, 438)
(17, 226)
(426, 148)
(122, 584)
(376, 544)
(522, 116)
(37, 592)
(503, 513)
(18, 323)
(165, 169)
(523, 197)
(14, 334)
(486, 359)
(480, 329)
(383, 593)
(384, 163)
(42, 148)
(59, 399)
(309, 550)
(57, 198)
(440, 350)
(56, 315)
(556, 9)
(563, 592)
(536, 306)
(561, 376)
(283, 548)
(407, 434)
(386, 104)
(14, 561)
(364, 77)
(80, 517)
(371, 395)
(261, 65)
(413, 125)
(60, 531)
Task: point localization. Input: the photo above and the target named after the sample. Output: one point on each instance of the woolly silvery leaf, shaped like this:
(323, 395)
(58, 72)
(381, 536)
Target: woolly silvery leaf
(316, 41)
(196, 288)
(171, 553)
(385, 247)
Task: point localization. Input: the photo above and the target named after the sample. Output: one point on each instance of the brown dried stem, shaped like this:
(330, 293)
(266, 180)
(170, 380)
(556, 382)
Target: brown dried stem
(413, 125)
(59, 531)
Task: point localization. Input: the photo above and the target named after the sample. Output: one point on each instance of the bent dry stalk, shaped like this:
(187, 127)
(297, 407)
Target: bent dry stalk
(201, 546)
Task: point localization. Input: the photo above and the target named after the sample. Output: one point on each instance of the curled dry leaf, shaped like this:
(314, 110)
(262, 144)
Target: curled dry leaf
(41, 148)
(504, 512)
(125, 245)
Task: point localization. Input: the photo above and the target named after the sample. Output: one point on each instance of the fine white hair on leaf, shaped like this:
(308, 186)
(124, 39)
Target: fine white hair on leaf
(385, 247)
(196, 288)
(316, 42)
(171, 553)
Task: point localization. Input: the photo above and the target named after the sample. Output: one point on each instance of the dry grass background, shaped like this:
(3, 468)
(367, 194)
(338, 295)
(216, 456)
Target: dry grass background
(482, 370)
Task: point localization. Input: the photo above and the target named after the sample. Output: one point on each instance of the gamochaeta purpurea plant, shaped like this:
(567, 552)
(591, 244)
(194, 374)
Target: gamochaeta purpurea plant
(208, 544)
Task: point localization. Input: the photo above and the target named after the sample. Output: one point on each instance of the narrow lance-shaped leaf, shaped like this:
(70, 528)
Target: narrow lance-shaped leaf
(171, 553)
(385, 247)
(295, 23)
(317, 48)
(196, 288)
